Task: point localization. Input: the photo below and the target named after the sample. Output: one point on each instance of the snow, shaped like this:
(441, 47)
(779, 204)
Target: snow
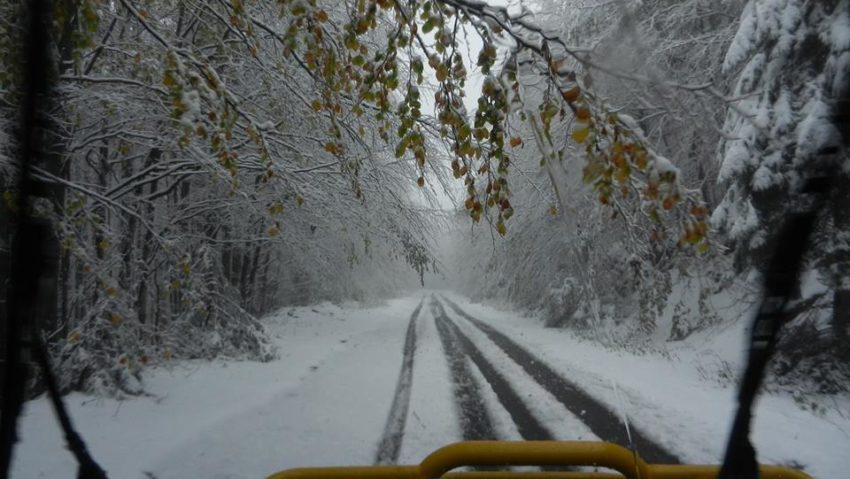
(428, 424)
(670, 400)
(745, 222)
(737, 159)
(241, 419)
(192, 101)
(325, 400)
(744, 39)
(503, 425)
(663, 165)
(549, 412)
(840, 32)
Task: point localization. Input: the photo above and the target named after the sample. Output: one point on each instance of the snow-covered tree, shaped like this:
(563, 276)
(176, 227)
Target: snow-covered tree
(792, 62)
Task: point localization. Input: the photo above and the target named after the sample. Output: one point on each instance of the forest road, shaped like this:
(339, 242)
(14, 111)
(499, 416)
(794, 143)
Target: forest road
(390, 444)
(602, 421)
(470, 370)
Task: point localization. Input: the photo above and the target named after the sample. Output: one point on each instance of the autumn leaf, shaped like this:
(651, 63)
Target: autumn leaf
(276, 208)
(698, 211)
(516, 141)
(580, 135)
(572, 94)
(420, 181)
(332, 148)
(583, 114)
(442, 72)
(322, 16)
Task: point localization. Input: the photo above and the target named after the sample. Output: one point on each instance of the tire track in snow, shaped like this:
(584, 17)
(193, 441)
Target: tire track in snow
(475, 420)
(390, 444)
(603, 422)
(527, 424)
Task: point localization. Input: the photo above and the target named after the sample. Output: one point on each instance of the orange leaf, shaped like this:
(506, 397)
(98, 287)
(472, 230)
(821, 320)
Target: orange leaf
(572, 94)
(583, 114)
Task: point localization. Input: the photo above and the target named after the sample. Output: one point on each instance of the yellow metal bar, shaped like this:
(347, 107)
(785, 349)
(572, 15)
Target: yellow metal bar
(532, 453)
(529, 453)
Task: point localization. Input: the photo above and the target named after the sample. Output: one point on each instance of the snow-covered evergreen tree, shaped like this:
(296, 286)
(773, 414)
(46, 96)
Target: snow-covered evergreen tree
(792, 62)
(791, 59)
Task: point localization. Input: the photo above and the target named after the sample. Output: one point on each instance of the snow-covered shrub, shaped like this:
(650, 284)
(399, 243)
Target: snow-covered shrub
(560, 304)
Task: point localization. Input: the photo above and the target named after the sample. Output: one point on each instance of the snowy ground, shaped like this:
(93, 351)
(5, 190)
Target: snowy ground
(326, 401)
(670, 399)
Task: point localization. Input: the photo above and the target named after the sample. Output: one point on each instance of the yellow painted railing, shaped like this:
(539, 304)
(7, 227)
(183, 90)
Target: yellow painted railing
(529, 453)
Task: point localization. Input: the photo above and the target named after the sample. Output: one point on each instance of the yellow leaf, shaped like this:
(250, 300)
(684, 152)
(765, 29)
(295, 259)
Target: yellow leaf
(276, 208)
(442, 72)
(580, 135)
(500, 227)
(317, 105)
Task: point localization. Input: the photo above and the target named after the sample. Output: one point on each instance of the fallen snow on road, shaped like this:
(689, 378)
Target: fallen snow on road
(325, 401)
(431, 420)
(669, 399)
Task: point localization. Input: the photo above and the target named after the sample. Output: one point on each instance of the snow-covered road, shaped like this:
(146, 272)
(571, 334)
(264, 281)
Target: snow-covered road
(360, 385)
